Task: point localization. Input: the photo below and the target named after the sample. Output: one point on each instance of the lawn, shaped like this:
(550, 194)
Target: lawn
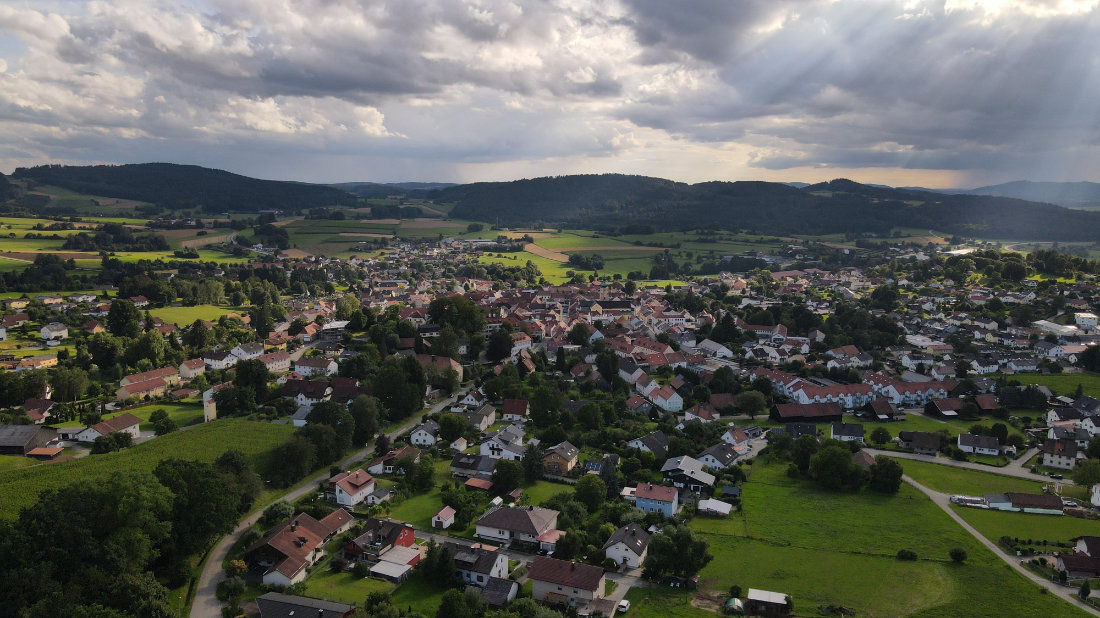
(826, 548)
(418, 510)
(419, 595)
(14, 462)
(183, 316)
(343, 587)
(183, 413)
(995, 524)
(1062, 383)
(918, 422)
(542, 491)
(952, 480)
(663, 603)
(20, 488)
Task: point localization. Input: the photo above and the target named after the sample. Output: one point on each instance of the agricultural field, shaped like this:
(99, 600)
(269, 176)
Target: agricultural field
(205, 442)
(952, 480)
(820, 546)
(1053, 528)
(183, 413)
(920, 422)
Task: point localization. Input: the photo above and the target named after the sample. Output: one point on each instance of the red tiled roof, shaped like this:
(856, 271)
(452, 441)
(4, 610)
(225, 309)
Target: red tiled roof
(565, 573)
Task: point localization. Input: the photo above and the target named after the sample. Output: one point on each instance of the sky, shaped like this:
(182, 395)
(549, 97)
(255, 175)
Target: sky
(955, 93)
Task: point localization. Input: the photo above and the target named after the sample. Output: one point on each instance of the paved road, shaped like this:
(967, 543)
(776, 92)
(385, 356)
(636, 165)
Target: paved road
(944, 502)
(1017, 471)
(206, 604)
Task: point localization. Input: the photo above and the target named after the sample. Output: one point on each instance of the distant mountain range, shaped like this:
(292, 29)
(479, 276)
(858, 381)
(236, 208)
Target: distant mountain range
(614, 201)
(1069, 194)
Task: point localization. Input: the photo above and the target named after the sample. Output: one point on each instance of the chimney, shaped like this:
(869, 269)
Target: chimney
(572, 566)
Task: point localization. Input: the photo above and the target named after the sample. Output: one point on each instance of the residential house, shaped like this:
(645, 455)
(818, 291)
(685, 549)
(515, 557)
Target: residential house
(667, 399)
(921, 442)
(686, 473)
(426, 435)
(38, 410)
(276, 362)
(248, 351)
(379, 536)
(123, 423)
(515, 410)
(735, 436)
(561, 582)
(506, 443)
(522, 524)
(464, 465)
(386, 463)
(1061, 454)
(719, 456)
(219, 360)
(656, 443)
(316, 366)
(441, 364)
(656, 498)
(142, 390)
(54, 330)
(306, 393)
(288, 549)
(351, 488)
(702, 412)
(279, 605)
(476, 564)
(170, 375)
(979, 445)
(560, 458)
(846, 432)
(627, 546)
(483, 417)
(191, 368)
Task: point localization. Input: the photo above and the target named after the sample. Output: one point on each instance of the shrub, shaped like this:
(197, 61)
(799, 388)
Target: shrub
(361, 569)
(957, 554)
(907, 554)
(735, 591)
(230, 588)
(337, 565)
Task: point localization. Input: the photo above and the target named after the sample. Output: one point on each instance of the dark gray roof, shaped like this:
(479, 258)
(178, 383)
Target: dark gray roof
(632, 535)
(19, 435)
(724, 453)
(468, 558)
(278, 605)
(973, 441)
(854, 430)
(497, 590)
(656, 442)
(532, 520)
(475, 463)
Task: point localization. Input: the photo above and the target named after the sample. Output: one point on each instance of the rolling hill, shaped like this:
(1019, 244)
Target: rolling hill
(1084, 195)
(611, 201)
(186, 186)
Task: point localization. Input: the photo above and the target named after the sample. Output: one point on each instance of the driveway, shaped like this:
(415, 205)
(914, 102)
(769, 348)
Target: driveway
(943, 501)
(1017, 471)
(206, 604)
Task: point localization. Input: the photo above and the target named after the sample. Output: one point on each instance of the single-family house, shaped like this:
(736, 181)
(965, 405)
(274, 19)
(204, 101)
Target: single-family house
(515, 410)
(219, 360)
(657, 498)
(719, 456)
(279, 605)
(54, 330)
(351, 488)
(656, 443)
(386, 463)
(687, 473)
(562, 582)
(627, 546)
(979, 445)
(560, 458)
(247, 351)
(288, 549)
(426, 435)
(465, 465)
(523, 524)
(378, 537)
(1061, 454)
(507, 443)
(483, 417)
(476, 564)
(123, 423)
(846, 432)
(191, 368)
(316, 366)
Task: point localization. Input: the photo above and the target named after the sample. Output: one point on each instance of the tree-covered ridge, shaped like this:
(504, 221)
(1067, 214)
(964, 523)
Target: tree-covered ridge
(186, 186)
(611, 201)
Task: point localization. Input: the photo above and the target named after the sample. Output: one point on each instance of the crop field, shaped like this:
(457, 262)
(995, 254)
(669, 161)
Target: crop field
(20, 488)
(821, 547)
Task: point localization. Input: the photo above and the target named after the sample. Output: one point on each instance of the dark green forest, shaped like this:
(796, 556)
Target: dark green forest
(607, 202)
(186, 186)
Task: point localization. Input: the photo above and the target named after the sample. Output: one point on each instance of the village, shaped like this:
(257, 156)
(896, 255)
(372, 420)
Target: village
(573, 433)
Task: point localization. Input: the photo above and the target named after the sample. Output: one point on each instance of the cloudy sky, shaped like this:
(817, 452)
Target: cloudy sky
(955, 93)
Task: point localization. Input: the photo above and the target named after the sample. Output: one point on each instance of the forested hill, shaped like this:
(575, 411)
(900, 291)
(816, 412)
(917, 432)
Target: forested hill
(186, 186)
(613, 201)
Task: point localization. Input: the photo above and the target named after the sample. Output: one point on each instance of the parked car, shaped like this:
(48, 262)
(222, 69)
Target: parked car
(624, 605)
(1057, 477)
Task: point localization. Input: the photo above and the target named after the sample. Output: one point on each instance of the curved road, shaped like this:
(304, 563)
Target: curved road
(944, 502)
(206, 603)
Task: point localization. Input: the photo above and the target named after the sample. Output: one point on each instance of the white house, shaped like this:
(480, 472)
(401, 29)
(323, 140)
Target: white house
(1095, 499)
(505, 444)
(846, 432)
(219, 360)
(563, 581)
(351, 488)
(123, 423)
(979, 445)
(316, 366)
(715, 349)
(248, 351)
(54, 330)
(525, 524)
(444, 519)
(667, 399)
(1085, 320)
(628, 546)
(426, 434)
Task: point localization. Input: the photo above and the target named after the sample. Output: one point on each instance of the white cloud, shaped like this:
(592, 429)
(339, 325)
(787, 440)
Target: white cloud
(487, 88)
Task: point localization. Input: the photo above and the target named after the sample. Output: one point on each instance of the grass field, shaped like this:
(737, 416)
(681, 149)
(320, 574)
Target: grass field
(995, 524)
(542, 491)
(1062, 383)
(951, 480)
(418, 594)
(183, 413)
(343, 587)
(20, 488)
(663, 603)
(14, 462)
(418, 510)
(914, 422)
(827, 548)
(183, 316)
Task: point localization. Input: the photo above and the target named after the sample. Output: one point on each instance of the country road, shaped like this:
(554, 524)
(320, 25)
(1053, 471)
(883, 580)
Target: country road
(943, 501)
(206, 603)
